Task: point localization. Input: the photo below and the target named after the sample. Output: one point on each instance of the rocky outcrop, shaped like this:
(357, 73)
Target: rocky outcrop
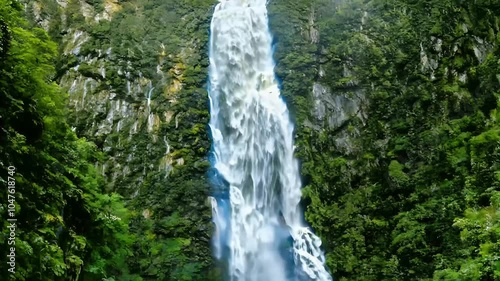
(111, 100)
(135, 77)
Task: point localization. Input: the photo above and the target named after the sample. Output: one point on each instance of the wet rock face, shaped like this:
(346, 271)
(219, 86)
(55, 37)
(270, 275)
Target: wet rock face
(114, 99)
(335, 111)
(135, 75)
(119, 114)
(339, 98)
(337, 108)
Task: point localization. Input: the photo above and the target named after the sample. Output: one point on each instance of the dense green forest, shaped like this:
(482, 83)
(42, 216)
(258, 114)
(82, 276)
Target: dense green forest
(413, 191)
(67, 227)
(103, 113)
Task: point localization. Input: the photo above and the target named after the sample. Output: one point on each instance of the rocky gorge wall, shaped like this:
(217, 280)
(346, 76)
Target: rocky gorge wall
(136, 73)
(396, 104)
(391, 100)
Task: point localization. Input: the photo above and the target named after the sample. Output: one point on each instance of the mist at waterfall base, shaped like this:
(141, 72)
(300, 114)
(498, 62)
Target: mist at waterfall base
(256, 189)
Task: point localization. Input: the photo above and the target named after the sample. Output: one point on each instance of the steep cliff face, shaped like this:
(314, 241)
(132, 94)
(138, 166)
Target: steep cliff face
(393, 100)
(395, 110)
(135, 72)
(125, 75)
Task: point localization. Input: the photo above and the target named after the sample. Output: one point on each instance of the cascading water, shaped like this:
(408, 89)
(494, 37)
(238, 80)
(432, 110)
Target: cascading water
(260, 231)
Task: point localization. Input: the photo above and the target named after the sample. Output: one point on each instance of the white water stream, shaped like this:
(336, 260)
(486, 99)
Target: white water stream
(253, 153)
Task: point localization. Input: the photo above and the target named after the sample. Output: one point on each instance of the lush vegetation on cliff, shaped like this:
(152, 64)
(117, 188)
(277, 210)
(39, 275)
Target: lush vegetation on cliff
(67, 228)
(153, 150)
(165, 42)
(396, 106)
(412, 193)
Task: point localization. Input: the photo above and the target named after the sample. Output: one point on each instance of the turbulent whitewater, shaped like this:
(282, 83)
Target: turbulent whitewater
(255, 177)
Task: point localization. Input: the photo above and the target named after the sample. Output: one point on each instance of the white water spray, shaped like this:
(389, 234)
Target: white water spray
(253, 153)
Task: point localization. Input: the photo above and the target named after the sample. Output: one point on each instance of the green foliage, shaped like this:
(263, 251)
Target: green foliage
(407, 190)
(411, 197)
(163, 42)
(295, 58)
(65, 224)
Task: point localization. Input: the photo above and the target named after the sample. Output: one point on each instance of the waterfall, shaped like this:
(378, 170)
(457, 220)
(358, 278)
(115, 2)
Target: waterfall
(148, 97)
(260, 230)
